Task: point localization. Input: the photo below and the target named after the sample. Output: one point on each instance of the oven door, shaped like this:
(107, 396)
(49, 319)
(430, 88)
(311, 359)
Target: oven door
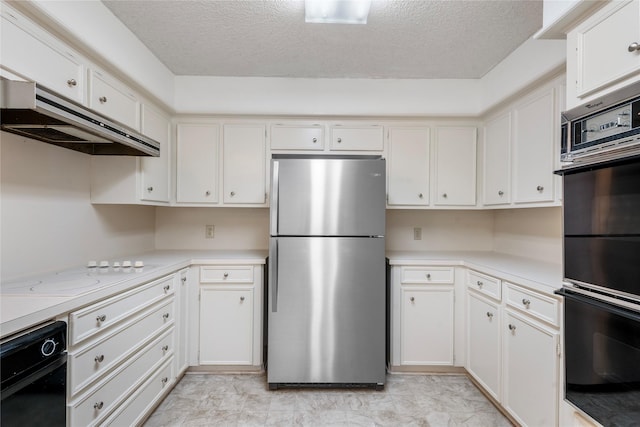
(602, 358)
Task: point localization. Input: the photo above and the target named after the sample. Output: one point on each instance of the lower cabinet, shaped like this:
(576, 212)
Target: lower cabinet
(230, 316)
(182, 322)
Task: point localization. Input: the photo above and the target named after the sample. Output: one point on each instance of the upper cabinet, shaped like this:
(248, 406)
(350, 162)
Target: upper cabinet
(297, 136)
(357, 138)
(111, 98)
(497, 160)
(155, 173)
(244, 164)
(603, 52)
(408, 166)
(197, 163)
(32, 53)
(455, 166)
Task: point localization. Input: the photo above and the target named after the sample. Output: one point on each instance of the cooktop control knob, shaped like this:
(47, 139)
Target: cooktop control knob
(126, 264)
(104, 264)
(48, 347)
(138, 264)
(92, 264)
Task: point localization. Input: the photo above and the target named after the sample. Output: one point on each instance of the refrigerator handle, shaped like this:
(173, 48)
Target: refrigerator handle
(273, 274)
(275, 170)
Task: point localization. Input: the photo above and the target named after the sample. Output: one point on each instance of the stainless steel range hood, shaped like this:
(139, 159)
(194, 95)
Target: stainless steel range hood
(33, 111)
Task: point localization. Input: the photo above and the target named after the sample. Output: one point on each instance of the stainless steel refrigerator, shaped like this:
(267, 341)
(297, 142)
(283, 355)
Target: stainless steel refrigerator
(327, 296)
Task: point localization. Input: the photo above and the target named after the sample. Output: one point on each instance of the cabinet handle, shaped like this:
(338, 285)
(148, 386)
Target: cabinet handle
(164, 381)
(165, 316)
(444, 195)
(489, 314)
(412, 299)
(500, 193)
(149, 189)
(225, 275)
(428, 276)
(526, 302)
(233, 193)
(339, 140)
(72, 82)
(165, 347)
(480, 284)
(241, 299)
(420, 196)
(512, 327)
(102, 99)
(101, 318)
(540, 188)
(166, 288)
(207, 193)
(184, 280)
(634, 47)
(98, 405)
(314, 140)
(99, 359)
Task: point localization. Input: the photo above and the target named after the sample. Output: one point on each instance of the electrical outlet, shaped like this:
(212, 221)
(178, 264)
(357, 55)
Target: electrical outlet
(209, 231)
(417, 233)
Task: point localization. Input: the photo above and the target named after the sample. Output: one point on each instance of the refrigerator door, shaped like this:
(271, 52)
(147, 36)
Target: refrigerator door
(328, 197)
(326, 310)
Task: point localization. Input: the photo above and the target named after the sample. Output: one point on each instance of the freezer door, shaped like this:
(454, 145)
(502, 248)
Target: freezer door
(328, 197)
(326, 311)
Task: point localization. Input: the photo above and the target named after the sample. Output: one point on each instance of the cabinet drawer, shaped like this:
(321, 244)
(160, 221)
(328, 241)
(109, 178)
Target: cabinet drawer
(98, 317)
(368, 138)
(427, 275)
(484, 284)
(236, 274)
(109, 394)
(297, 137)
(541, 306)
(133, 410)
(116, 101)
(89, 363)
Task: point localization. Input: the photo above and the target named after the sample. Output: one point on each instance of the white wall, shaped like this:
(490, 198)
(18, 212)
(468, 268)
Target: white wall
(46, 219)
(532, 233)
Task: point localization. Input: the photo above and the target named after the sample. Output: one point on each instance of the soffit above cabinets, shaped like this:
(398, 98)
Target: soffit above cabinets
(403, 39)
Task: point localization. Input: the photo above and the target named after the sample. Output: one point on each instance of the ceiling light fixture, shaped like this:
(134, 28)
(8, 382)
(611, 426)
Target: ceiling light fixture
(336, 11)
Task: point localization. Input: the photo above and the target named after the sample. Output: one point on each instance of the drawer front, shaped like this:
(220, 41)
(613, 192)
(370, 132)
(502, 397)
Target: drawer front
(358, 139)
(88, 364)
(114, 100)
(136, 408)
(221, 274)
(538, 305)
(98, 317)
(484, 284)
(292, 137)
(97, 404)
(427, 275)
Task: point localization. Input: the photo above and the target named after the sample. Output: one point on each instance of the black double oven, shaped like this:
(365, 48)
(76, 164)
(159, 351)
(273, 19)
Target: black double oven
(602, 258)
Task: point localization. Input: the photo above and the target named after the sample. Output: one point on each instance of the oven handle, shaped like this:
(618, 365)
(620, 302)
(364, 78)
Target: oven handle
(589, 298)
(23, 379)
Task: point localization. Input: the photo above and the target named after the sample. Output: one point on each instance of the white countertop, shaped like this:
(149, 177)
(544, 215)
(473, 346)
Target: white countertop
(541, 276)
(20, 311)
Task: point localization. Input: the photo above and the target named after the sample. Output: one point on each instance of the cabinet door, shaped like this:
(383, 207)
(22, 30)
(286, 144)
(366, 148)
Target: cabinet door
(606, 52)
(364, 138)
(530, 369)
(182, 351)
(154, 171)
(197, 163)
(226, 326)
(408, 166)
(297, 137)
(244, 163)
(497, 160)
(483, 343)
(426, 326)
(534, 137)
(113, 99)
(455, 166)
(30, 52)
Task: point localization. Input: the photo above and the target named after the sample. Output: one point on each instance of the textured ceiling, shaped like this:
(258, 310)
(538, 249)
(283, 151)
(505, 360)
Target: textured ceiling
(402, 39)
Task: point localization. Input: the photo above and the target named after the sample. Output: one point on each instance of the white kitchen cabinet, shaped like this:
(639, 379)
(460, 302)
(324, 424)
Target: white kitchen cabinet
(111, 98)
(484, 360)
(535, 133)
(197, 163)
(408, 166)
(530, 370)
(182, 322)
(357, 138)
(455, 166)
(244, 163)
(30, 52)
(497, 160)
(605, 48)
(297, 136)
(155, 171)
(230, 316)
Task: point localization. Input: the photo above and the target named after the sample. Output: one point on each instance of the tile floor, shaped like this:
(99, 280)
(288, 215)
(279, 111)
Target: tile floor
(407, 400)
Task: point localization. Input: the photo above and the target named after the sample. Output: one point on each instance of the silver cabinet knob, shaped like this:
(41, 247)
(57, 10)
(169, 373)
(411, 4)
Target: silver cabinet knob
(420, 196)
(165, 316)
(101, 318)
(233, 193)
(225, 275)
(339, 140)
(526, 302)
(479, 283)
(98, 405)
(99, 359)
(184, 280)
(164, 381)
(428, 276)
(166, 288)
(634, 47)
(165, 347)
(444, 195)
(207, 193)
(149, 189)
(412, 299)
(72, 82)
(512, 327)
(314, 140)
(241, 299)
(540, 188)
(489, 314)
(102, 99)
(500, 193)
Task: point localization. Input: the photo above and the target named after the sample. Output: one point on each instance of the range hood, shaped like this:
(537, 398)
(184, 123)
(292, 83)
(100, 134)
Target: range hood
(33, 111)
